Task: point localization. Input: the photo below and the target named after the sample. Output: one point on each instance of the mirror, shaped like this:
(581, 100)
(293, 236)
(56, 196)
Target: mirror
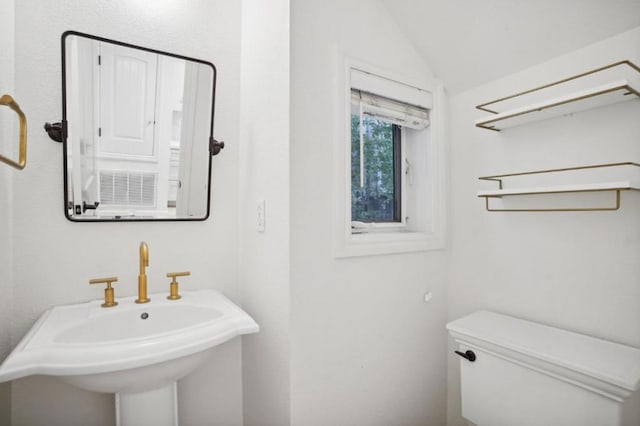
(137, 130)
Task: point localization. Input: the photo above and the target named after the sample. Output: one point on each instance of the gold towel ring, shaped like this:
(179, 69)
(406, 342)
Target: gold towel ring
(22, 156)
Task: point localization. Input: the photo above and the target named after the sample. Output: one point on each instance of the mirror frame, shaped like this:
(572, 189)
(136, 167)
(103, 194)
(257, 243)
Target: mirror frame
(214, 146)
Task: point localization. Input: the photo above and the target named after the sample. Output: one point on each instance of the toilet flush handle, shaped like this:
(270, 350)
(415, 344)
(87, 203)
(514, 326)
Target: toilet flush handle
(470, 355)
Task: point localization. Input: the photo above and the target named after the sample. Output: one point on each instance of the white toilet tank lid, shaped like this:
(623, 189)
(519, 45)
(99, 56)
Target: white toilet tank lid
(610, 362)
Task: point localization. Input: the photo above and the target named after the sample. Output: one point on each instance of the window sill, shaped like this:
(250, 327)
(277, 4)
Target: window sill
(380, 243)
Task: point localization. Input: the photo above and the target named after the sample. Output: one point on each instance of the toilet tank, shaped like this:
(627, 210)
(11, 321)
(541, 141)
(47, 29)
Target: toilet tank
(529, 374)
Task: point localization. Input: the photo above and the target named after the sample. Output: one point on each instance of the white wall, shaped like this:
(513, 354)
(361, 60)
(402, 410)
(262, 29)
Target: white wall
(7, 147)
(264, 175)
(577, 271)
(55, 258)
(366, 349)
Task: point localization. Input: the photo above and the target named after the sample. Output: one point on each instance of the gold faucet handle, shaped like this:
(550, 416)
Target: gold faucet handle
(173, 286)
(109, 297)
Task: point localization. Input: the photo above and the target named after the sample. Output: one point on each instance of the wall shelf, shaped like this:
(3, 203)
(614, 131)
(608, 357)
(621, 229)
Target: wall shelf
(609, 186)
(607, 85)
(559, 189)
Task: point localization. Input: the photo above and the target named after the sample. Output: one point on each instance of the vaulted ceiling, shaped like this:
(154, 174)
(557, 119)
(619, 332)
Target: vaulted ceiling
(470, 42)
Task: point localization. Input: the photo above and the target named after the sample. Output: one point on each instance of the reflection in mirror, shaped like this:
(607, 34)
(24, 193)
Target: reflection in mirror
(139, 124)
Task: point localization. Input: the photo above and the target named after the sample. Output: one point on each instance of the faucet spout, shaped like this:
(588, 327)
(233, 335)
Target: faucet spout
(142, 276)
(144, 257)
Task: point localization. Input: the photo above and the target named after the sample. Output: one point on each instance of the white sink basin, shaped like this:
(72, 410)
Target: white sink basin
(129, 348)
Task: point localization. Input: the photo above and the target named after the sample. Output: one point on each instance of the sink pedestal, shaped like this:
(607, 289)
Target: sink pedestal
(158, 407)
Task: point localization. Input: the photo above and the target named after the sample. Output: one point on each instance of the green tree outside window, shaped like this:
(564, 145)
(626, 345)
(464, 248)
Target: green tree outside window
(375, 201)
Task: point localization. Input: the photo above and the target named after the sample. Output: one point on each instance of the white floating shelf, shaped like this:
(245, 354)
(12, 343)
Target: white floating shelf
(600, 96)
(611, 184)
(559, 189)
(608, 85)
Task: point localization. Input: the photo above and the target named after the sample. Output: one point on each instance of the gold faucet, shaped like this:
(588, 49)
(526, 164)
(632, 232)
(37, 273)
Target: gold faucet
(142, 276)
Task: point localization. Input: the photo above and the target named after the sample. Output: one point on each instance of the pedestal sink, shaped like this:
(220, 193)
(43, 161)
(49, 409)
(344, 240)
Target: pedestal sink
(136, 351)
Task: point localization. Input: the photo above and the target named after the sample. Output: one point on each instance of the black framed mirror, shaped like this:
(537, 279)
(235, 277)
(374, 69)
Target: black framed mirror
(137, 131)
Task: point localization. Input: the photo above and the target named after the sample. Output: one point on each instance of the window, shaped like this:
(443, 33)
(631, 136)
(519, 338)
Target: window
(378, 157)
(392, 165)
(376, 170)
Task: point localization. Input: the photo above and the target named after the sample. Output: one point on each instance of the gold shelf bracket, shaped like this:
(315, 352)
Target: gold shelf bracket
(616, 206)
(483, 107)
(499, 180)
(22, 142)
(490, 123)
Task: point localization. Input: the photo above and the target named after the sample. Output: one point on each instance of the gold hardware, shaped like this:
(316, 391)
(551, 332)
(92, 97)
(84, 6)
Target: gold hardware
(142, 276)
(617, 189)
(487, 124)
(22, 147)
(482, 107)
(173, 286)
(109, 300)
(576, 209)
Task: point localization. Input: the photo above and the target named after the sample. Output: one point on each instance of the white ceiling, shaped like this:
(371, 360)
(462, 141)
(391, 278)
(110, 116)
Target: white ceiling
(470, 42)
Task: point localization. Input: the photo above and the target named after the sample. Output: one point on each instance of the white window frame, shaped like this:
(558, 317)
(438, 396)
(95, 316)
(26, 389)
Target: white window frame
(388, 238)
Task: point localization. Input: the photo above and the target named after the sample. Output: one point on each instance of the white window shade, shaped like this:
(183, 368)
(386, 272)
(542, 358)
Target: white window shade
(390, 89)
(389, 110)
